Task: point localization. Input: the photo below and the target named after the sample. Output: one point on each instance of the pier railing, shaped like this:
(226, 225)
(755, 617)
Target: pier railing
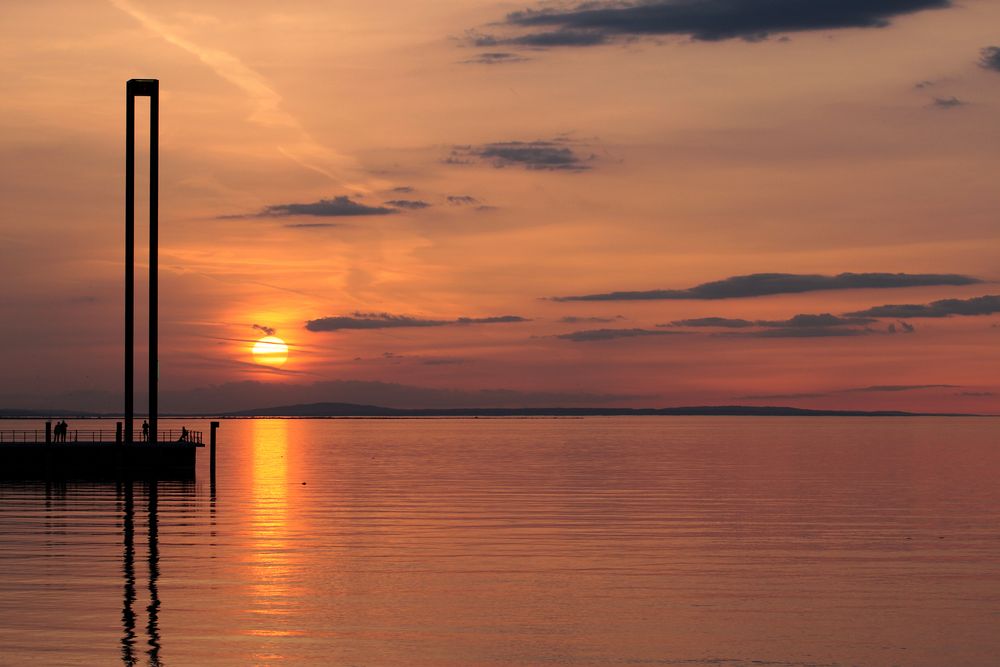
(100, 435)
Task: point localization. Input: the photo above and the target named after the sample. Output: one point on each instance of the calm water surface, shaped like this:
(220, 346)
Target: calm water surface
(447, 542)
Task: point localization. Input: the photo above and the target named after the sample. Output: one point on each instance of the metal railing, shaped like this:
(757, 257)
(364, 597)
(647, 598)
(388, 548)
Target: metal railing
(101, 435)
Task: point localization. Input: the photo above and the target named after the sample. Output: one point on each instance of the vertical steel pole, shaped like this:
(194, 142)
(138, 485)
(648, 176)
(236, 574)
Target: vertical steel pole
(154, 192)
(129, 254)
(141, 88)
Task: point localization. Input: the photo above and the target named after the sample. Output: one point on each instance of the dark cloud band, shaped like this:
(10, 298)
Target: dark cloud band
(593, 335)
(538, 155)
(708, 20)
(980, 305)
(387, 321)
(341, 206)
(764, 284)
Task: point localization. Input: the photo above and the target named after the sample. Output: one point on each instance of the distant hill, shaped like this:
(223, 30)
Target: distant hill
(352, 410)
(320, 410)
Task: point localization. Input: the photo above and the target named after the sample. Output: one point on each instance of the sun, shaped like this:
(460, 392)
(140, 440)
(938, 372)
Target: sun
(270, 351)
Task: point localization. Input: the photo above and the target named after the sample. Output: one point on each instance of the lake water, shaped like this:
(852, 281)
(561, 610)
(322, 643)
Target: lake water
(463, 542)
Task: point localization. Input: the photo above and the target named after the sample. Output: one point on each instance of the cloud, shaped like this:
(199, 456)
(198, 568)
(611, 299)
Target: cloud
(571, 319)
(990, 58)
(539, 155)
(494, 58)
(500, 319)
(948, 102)
(591, 335)
(976, 393)
(903, 328)
(267, 331)
(462, 200)
(980, 305)
(823, 325)
(336, 207)
(803, 332)
(401, 189)
(813, 321)
(388, 321)
(311, 225)
(764, 284)
(724, 322)
(412, 204)
(545, 40)
(340, 206)
(593, 23)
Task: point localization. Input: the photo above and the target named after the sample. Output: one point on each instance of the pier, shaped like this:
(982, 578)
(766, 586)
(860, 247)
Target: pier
(126, 452)
(100, 454)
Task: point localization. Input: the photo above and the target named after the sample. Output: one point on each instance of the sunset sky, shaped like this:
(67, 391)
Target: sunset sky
(456, 202)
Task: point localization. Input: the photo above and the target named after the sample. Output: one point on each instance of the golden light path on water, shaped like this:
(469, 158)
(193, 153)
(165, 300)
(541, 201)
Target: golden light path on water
(272, 560)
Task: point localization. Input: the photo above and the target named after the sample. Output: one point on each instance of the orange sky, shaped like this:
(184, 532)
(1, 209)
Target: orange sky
(646, 162)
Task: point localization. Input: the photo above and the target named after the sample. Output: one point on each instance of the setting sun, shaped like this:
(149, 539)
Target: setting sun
(270, 351)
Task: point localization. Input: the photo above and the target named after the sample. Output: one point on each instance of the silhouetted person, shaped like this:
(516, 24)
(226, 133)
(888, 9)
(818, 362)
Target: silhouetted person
(184, 434)
(59, 431)
(145, 430)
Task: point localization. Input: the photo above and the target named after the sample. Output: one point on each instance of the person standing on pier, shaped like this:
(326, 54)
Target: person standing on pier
(145, 430)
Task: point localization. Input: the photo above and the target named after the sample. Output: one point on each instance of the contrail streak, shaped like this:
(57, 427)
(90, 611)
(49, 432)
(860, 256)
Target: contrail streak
(267, 102)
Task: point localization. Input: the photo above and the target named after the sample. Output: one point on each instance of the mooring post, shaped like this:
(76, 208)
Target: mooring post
(48, 432)
(211, 440)
(118, 433)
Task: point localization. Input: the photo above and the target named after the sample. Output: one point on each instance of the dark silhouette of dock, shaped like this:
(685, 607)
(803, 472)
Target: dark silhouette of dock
(125, 452)
(101, 454)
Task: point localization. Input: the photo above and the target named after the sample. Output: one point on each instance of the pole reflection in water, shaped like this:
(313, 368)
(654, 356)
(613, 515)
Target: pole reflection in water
(128, 640)
(153, 610)
(128, 570)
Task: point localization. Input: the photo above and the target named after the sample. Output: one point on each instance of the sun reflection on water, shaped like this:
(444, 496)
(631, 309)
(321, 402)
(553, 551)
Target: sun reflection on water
(275, 567)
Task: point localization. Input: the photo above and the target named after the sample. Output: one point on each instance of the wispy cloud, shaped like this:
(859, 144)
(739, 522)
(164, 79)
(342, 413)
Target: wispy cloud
(494, 58)
(267, 102)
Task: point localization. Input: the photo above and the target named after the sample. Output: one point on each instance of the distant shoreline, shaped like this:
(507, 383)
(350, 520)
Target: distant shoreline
(352, 411)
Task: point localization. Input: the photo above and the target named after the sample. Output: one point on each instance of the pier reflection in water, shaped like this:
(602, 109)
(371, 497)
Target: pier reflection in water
(126, 501)
(82, 568)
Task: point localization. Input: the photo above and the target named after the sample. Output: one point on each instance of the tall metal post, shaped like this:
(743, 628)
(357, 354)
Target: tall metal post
(141, 88)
